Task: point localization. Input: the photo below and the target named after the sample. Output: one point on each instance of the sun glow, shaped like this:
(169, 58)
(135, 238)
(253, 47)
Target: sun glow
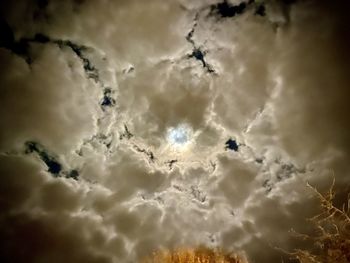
(180, 137)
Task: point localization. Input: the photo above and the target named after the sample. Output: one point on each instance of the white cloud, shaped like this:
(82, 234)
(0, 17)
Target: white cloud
(104, 93)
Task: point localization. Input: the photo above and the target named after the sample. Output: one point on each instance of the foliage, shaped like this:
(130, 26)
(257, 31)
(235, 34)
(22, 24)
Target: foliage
(332, 240)
(199, 255)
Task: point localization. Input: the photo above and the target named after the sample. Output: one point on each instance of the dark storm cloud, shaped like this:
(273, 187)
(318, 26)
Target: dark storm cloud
(92, 92)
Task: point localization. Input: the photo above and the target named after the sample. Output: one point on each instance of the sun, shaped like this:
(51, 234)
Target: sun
(179, 137)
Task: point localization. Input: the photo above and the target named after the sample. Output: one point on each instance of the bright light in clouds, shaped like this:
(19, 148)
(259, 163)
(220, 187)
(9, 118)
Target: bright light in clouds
(167, 125)
(179, 136)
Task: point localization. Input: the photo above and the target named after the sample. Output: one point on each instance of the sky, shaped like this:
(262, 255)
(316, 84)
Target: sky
(130, 126)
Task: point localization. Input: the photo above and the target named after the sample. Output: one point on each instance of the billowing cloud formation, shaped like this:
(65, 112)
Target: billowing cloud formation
(130, 126)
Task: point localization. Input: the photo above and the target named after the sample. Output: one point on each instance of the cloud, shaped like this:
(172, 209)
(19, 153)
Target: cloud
(90, 91)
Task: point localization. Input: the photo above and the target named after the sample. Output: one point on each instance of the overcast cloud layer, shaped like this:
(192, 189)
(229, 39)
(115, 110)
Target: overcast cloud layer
(128, 126)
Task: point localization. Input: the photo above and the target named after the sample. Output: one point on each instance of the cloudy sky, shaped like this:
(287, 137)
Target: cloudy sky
(129, 126)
